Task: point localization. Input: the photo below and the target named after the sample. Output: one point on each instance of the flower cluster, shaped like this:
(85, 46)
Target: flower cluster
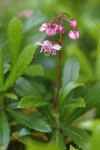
(54, 27)
(48, 48)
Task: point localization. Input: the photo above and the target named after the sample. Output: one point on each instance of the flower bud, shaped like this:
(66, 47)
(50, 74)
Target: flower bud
(73, 23)
(60, 28)
(73, 34)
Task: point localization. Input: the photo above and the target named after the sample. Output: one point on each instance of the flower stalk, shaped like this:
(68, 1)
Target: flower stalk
(49, 48)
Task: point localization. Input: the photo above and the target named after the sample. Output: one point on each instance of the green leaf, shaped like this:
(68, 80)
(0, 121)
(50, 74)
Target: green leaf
(74, 103)
(33, 101)
(11, 96)
(4, 129)
(79, 137)
(24, 88)
(31, 121)
(58, 140)
(34, 70)
(7, 67)
(85, 65)
(1, 71)
(92, 98)
(71, 71)
(72, 85)
(95, 139)
(15, 33)
(24, 59)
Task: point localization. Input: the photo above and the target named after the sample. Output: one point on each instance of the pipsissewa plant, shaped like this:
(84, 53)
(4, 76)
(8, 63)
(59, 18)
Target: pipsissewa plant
(45, 121)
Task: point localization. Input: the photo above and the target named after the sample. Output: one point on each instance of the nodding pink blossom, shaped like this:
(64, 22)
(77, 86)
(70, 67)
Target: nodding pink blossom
(48, 48)
(50, 29)
(73, 34)
(60, 28)
(73, 23)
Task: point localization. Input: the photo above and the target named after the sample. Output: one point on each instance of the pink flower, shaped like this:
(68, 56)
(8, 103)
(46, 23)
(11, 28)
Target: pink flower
(60, 28)
(73, 23)
(48, 48)
(73, 34)
(50, 29)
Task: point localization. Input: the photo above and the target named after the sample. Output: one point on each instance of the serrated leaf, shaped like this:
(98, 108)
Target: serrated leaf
(79, 137)
(33, 101)
(92, 98)
(72, 85)
(34, 70)
(15, 33)
(24, 88)
(74, 103)
(71, 71)
(23, 60)
(11, 96)
(58, 140)
(1, 71)
(31, 121)
(4, 129)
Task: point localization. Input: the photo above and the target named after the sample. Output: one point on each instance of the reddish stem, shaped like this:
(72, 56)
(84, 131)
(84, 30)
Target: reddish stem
(59, 73)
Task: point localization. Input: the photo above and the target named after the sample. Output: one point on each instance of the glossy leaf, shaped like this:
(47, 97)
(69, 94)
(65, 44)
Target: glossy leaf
(24, 88)
(21, 64)
(15, 33)
(79, 137)
(31, 121)
(72, 85)
(4, 129)
(33, 101)
(1, 71)
(34, 70)
(71, 71)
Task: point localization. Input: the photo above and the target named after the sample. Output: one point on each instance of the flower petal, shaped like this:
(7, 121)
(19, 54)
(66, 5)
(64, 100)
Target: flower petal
(44, 27)
(74, 34)
(47, 43)
(39, 43)
(50, 32)
(56, 47)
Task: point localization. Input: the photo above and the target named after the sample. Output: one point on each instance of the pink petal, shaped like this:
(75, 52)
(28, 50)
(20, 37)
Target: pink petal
(50, 32)
(73, 23)
(39, 43)
(47, 43)
(56, 47)
(60, 28)
(44, 27)
(73, 34)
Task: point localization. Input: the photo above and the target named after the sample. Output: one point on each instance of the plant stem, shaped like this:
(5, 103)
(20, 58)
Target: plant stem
(59, 73)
